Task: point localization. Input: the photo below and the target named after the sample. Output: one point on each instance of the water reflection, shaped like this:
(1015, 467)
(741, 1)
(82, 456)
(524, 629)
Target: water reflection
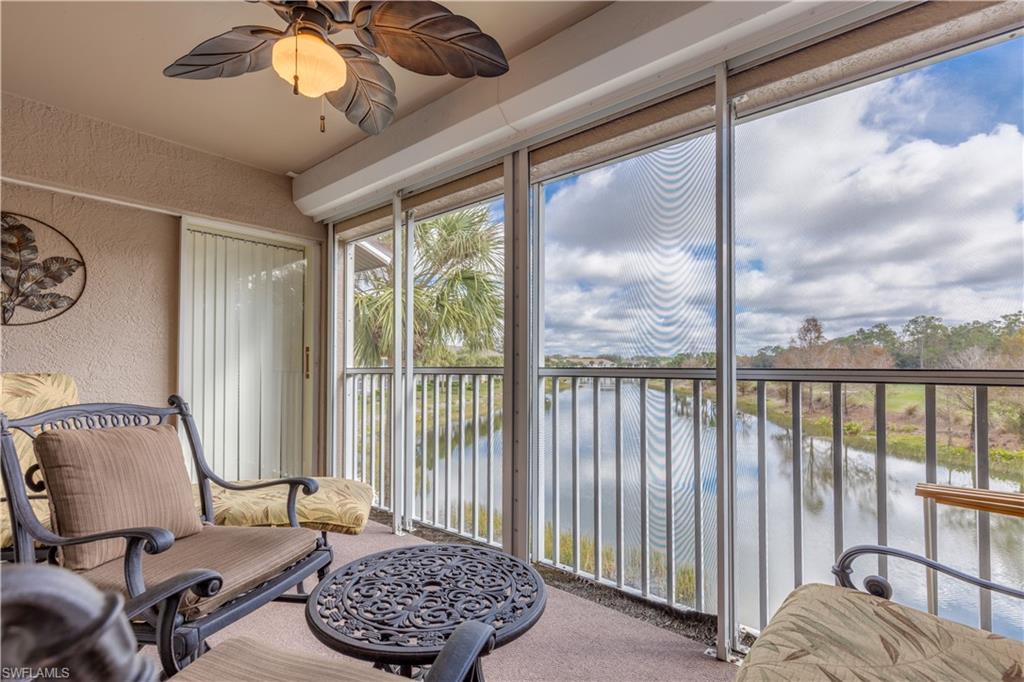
(957, 528)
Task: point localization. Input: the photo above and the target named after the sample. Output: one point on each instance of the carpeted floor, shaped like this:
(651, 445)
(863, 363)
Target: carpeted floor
(575, 639)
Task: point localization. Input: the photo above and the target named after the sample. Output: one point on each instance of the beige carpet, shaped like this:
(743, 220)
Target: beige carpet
(575, 639)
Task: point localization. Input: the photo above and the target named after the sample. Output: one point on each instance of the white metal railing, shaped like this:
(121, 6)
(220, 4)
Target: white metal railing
(655, 559)
(455, 446)
(643, 521)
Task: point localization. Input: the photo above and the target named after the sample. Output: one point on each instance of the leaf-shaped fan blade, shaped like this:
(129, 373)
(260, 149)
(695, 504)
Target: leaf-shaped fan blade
(427, 38)
(368, 96)
(240, 50)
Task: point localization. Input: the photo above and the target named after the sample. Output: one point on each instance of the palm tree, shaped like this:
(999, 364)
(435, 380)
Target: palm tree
(457, 280)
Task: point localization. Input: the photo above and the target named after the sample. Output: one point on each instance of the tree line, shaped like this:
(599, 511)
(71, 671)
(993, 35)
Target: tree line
(923, 342)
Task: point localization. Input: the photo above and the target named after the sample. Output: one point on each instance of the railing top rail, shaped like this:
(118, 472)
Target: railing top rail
(941, 377)
(945, 377)
(952, 377)
(452, 371)
(630, 372)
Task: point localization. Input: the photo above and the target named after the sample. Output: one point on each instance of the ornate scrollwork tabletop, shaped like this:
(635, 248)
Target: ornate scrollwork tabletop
(400, 606)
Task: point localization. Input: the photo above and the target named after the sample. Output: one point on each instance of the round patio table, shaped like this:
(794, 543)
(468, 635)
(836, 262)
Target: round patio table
(398, 608)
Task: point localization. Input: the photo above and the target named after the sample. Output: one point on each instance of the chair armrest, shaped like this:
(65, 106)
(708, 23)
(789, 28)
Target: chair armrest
(308, 485)
(151, 539)
(980, 499)
(155, 539)
(459, 659)
(880, 587)
(160, 606)
(203, 581)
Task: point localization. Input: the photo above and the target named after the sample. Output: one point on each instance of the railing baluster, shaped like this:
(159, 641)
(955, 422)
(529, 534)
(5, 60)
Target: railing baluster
(881, 477)
(490, 458)
(597, 477)
(837, 468)
(620, 552)
(556, 512)
(423, 448)
(385, 383)
(575, 475)
(373, 439)
(448, 451)
(698, 494)
(362, 429)
(930, 471)
(762, 503)
(798, 484)
(981, 464)
(670, 526)
(437, 448)
(462, 455)
(644, 530)
(476, 455)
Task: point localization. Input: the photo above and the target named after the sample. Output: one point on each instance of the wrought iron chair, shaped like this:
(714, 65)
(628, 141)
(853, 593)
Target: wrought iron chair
(179, 635)
(53, 620)
(831, 632)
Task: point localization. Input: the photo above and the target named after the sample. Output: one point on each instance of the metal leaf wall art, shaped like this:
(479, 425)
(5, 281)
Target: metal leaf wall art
(422, 36)
(30, 283)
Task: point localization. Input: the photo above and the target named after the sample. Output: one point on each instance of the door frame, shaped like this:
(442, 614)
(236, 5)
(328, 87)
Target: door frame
(311, 314)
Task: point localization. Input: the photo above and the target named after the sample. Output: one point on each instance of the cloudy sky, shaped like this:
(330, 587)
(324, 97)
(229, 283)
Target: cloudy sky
(899, 198)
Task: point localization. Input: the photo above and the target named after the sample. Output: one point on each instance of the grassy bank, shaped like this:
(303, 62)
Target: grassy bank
(1005, 464)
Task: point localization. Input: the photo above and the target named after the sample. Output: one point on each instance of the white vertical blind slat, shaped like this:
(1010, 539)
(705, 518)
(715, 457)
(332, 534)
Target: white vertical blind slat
(244, 353)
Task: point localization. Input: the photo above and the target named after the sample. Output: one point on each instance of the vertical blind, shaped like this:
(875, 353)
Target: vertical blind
(244, 353)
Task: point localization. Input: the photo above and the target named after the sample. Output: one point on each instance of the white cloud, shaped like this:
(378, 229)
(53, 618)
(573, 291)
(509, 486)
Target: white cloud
(841, 214)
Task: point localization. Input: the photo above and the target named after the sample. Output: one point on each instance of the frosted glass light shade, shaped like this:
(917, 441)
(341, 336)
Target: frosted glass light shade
(319, 66)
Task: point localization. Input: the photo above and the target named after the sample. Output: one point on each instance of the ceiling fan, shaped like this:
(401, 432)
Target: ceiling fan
(419, 35)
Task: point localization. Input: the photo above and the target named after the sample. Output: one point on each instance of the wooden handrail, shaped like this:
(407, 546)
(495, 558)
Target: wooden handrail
(995, 501)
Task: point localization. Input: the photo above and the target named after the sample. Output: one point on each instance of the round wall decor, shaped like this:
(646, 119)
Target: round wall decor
(43, 273)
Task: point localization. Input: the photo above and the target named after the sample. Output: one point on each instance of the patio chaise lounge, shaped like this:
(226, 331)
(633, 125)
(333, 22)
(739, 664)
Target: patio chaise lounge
(124, 519)
(824, 632)
(53, 619)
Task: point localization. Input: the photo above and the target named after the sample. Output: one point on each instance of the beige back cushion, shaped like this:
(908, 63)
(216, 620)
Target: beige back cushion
(107, 479)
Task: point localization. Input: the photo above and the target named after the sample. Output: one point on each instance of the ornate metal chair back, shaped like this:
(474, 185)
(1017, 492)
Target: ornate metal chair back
(86, 416)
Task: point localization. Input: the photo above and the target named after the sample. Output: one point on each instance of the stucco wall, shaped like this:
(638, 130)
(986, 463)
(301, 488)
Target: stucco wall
(119, 341)
(54, 147)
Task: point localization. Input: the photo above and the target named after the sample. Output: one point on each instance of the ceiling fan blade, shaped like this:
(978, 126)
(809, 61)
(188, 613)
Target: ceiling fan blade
(427, 38)
(368, 96)
(240, 50)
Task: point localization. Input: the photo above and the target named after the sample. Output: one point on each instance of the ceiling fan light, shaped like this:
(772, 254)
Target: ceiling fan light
(319, 66)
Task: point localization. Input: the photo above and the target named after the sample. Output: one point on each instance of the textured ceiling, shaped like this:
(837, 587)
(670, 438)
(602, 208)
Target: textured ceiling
(104, 59)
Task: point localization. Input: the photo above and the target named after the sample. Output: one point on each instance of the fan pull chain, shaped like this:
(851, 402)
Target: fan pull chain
(295, 87)
(323, 119)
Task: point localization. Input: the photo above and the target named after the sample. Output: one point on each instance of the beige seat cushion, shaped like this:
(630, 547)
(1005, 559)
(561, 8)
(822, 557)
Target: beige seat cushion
(828, 633)
(23, 394)
(105, 479)
(245, 557)
(339, 506)
(246, 660)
